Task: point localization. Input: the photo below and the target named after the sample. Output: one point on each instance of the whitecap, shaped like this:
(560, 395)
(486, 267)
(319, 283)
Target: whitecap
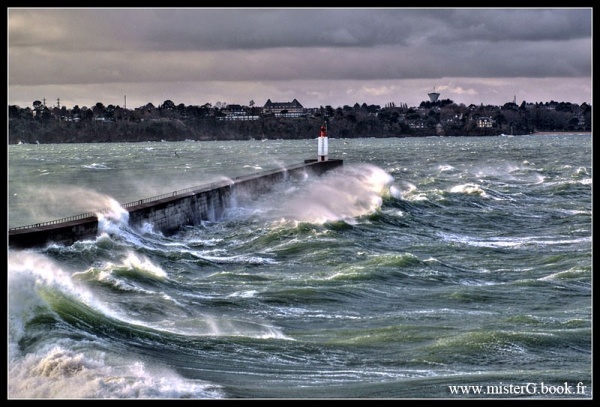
(469, 188)
(57, 372)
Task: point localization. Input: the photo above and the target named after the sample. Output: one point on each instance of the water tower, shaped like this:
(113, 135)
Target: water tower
(433, 96)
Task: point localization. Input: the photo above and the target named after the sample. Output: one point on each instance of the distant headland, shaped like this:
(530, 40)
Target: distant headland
(286, 120)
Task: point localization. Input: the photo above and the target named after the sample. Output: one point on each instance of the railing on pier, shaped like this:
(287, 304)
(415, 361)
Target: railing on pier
(128, 205)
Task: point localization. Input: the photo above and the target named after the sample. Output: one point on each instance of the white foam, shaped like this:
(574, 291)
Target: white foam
(59, 372)
(469, 189)
(113, 218)
(343, 195)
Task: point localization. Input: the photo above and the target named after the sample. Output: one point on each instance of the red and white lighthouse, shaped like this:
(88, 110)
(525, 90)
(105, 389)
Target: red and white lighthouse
(322, 151)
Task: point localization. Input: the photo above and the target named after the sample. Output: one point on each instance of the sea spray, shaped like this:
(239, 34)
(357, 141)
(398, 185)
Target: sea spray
(354, 191)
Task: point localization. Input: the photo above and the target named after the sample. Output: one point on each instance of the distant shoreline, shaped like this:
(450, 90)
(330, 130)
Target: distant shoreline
(561, 132)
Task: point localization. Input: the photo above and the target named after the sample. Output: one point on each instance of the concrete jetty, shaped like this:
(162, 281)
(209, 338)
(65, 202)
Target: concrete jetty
(169, 212)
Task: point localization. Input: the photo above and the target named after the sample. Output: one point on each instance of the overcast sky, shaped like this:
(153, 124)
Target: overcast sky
(319, 56)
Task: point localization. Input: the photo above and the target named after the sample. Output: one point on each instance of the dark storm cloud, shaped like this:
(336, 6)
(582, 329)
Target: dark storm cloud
(257, 29)
(252, 29)
(437, 42)
(151, 46)
(213, 29)
(522, 25)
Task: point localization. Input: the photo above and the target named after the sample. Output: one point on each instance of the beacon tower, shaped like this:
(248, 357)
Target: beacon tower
(322, 143)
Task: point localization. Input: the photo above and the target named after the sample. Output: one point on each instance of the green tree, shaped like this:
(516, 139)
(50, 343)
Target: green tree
(76, 111)
(168, 105)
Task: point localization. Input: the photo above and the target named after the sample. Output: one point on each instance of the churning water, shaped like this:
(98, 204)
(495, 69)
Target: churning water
(424, 268)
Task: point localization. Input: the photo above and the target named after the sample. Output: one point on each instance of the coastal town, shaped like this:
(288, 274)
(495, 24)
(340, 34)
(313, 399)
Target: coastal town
(55, 123)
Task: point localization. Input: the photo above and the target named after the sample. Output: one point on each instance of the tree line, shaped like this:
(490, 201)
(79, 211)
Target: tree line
(171, 122)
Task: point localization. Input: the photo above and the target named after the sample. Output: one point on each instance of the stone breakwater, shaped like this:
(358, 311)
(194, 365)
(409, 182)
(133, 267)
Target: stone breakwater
(168, 213)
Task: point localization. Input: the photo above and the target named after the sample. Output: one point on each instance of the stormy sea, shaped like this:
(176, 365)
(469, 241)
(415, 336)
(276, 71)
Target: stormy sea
(438, 267)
